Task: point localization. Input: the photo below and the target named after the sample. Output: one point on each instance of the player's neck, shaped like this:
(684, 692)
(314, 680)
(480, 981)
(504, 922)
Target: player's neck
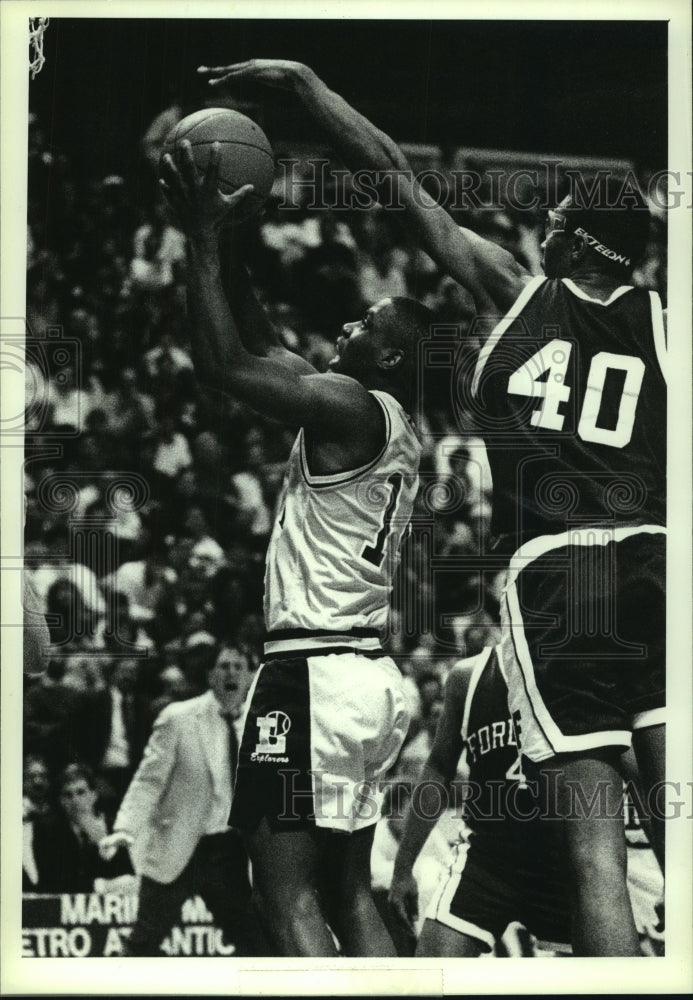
(598, 284)
(398, 391)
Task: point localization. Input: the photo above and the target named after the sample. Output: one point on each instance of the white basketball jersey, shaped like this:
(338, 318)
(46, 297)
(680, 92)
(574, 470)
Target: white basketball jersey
(335, 544)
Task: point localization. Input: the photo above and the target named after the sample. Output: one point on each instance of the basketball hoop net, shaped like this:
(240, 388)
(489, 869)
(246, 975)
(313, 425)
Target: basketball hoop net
(37, 26)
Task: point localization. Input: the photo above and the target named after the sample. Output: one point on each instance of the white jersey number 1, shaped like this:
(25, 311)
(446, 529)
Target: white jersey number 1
(374, 553)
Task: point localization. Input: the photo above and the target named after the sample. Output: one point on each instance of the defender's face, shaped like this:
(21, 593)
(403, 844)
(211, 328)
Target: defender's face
(359, 346)
(556, 247)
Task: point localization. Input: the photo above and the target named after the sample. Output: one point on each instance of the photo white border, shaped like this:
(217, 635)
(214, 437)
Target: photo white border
(407, 977)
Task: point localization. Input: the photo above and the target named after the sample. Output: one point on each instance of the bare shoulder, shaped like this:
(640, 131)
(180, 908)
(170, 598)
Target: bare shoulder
(457, 683)
(344, 396)
(339, 384)
(349, 428)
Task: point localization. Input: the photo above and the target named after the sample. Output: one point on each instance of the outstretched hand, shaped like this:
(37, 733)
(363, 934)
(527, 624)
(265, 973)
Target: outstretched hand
(200, 207)
(274, 72)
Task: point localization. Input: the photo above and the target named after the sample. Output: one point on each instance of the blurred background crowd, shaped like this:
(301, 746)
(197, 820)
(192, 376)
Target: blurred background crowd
(146, 534)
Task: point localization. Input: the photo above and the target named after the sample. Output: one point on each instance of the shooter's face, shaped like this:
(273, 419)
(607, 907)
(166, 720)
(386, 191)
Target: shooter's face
(362, 343)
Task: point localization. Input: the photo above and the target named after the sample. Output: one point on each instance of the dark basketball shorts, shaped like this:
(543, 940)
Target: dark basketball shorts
(486, 888)
(319, 733)
(583, 638)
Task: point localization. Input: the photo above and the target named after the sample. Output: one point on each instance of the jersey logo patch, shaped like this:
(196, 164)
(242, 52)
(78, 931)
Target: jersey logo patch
(273, 729)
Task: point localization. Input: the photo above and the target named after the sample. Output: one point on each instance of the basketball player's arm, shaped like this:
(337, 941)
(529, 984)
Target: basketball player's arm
(631, 775)
(257, 332)
(425, 809)
(334, 406)
(492, 275)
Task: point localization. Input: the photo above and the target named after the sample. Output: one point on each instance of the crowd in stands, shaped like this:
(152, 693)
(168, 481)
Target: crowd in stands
(146, 529)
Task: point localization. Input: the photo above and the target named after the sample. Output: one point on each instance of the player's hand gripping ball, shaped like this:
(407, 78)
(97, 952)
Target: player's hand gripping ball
(246, 156)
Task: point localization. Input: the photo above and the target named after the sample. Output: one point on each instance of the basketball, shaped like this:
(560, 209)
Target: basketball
(246, 156)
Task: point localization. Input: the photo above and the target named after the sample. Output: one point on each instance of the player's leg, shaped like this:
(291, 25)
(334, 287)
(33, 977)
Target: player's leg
(359, 718)
(221, 879)
(595, 841)
(572, 693)
(438, 941)
(286, 870)
(472, 904)
(157, 911)
(647, 625)
(353, 913)
(649, 745)
(273, 781)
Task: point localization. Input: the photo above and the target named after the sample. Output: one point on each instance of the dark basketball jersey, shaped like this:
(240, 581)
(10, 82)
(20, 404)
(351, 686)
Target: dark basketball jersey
(570, 397)
(496, 784)
(502, 812)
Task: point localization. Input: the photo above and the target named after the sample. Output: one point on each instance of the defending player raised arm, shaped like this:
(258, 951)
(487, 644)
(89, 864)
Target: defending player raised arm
(492, 275)
(335, 404)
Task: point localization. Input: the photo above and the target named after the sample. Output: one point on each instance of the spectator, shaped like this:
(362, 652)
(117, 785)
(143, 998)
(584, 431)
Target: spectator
(67, 590)
(121, 633)
(172, 451)
(66, 851)
(148, 584)
(53, 720)
(113, 737)
(36, 786)
(197, 655)
(325, 281)
(174, 686)
(210, 463)
(30, 872)
(69, 403)
(204, 545)
(37, 809)
(116, 518)
(430, 689)
(251, 508)
(159, 252)
(129, 411)
(187, 771)
(166, 356)
(43, 298)
(382, 277)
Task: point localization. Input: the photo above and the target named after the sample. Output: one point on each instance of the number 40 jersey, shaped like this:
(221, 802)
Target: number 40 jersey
(335, 544)
(569, 394)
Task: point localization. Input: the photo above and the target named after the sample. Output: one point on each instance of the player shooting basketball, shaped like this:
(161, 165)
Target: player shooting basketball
(327, 715)
(578, 415)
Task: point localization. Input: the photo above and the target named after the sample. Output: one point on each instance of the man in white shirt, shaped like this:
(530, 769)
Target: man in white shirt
(174, 817)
